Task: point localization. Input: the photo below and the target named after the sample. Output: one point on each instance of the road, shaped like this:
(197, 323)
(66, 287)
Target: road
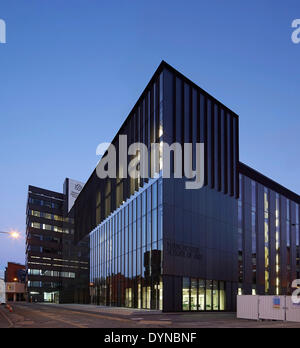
(79, 316)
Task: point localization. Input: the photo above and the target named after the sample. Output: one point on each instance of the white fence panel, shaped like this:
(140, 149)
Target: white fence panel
(247, 307)
(272, 307)
(292, 310)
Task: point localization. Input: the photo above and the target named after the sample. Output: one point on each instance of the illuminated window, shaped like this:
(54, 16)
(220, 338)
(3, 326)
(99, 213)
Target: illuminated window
(186, 294)
(267, 241)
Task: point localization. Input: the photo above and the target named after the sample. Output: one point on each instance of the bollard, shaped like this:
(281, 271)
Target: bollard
(9, 308)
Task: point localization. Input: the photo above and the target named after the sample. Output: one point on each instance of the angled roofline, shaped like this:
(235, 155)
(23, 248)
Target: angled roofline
(44, 191)
(265, 181)
(167, 66)
(163, 65)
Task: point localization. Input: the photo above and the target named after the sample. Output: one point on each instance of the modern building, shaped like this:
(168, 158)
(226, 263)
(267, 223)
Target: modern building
(14, 272)
(15, 291)
(155, 244)
(53, 262)
(15, 282)
(268, 238)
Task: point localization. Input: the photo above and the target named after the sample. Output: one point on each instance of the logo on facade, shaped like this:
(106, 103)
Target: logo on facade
(78, 187)
(74, 194)
(296, 32)
(146, 163)
(185, 251)
(2, 31)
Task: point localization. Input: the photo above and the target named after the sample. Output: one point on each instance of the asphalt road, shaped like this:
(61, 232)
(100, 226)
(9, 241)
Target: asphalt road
(76, 316)
(41, 316)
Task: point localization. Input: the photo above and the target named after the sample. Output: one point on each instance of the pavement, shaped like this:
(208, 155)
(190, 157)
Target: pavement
(27, 315)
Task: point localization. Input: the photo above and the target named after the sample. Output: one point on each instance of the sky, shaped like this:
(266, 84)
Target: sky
(65, 62)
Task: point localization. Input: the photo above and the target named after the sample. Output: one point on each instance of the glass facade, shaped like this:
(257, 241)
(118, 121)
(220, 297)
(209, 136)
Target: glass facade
(254, 233)
(297, 242)
(240, 235)
(203, 295)
(267, 240)
(278, 239)
(272, 219)
(126, 253)
(288, 243)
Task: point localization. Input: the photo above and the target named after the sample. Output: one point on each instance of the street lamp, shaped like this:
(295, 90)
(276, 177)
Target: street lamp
(12, 234)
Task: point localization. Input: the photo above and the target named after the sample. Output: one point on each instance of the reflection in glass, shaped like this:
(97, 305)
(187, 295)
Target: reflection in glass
(215, 296)
(186, 294)
(208, 295)
(123, 271)
(201, 295)
(194, 285)
(222, 296)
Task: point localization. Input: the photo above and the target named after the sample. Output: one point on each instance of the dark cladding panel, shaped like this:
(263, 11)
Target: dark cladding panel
(179, 104)
(229, 153)
(237, 156)
(195, 123)
(169, 126)
(222, 150)
(187, 113)
(234, 158)
(209, 143)
(293, 252)
(203, 133)
(217, 148)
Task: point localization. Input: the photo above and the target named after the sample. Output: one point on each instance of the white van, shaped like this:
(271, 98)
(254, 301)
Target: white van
(2, 292)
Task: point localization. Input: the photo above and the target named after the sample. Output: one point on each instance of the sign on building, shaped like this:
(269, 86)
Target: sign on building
(74, 189)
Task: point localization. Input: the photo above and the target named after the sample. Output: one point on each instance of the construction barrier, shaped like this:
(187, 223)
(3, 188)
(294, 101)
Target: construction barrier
(292, 311)
(279, 308)
(272, 308)
(247, 307)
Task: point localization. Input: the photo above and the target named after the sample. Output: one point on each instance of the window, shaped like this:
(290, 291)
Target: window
(222, 296)
(35, 225)
(35, 213)
(209, 287)
(201, 295)
(47, 204)
(186, 294)
(278, 237)
(266, 228)
(34, 284)
(194, 299)
(35, 249)
(215, 294)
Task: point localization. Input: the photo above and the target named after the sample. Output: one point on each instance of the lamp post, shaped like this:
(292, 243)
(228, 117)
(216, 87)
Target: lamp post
(12, 234)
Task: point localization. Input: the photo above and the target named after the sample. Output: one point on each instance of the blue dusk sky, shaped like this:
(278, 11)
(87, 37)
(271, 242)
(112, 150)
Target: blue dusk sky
(66, 63)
